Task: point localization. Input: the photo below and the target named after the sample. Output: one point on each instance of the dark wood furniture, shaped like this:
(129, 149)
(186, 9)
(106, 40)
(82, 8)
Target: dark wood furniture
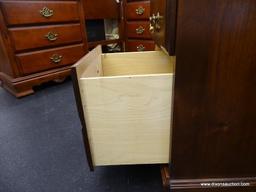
(39, 41)
(98, 9)
(214, 136)
(26, 51)
(136, 18)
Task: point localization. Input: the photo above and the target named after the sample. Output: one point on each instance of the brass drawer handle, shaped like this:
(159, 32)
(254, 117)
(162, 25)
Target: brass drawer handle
(141, 47)
(51, 36)
(155, 22)
(46, 12)
(56, 58)
(140, 10)
(140, 30)
(151, 28)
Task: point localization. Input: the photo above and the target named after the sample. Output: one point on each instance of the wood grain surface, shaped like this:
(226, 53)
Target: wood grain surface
(37, 61)
(127, 116)
(214, 133)
(131, 10)
(28, 12)
(25, 38)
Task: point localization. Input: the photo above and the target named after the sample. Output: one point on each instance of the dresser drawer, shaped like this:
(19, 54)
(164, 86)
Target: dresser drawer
(139, 45)
(126, 99)
(138, 10)
(30, 12)
(138, 30)
(52, 58)
(43, 36)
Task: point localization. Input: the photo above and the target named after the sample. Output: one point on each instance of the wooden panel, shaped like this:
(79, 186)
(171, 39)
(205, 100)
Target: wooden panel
(166, 36)
(214, 184)
(86, 66)
(98, 9)
(128, 118)
(133, 45)
(4, 61)
(165, 173)
(28, 12)
(132, 30)
(131, 10)
(7, 61)
(35, 37)
(137, 63)
(41, 60)
(214, 132)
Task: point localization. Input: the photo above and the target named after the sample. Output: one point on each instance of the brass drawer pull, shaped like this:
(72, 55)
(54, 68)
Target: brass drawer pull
(56, 58)
(46, 12)
(140, 10)
(51, 36)
(141, 47)
(155, 22)
(140, 30)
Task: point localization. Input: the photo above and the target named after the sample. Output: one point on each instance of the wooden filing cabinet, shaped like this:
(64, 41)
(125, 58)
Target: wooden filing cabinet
(137, 34)
(39, 41)
(212, 106)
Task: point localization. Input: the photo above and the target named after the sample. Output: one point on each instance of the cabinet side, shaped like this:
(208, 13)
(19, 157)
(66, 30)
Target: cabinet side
(87, 63)
(81, 116)
(6, 55)
(4, 61)
(214, 135)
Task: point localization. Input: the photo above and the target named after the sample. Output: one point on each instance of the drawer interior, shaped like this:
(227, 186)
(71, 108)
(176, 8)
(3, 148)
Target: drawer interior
(123, 64)
(126, 99)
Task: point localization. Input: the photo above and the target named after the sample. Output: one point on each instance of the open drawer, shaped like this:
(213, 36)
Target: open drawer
(124, 101)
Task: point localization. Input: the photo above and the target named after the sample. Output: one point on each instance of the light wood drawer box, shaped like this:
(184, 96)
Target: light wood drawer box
(138, 10)
(139, 45)
(34, 12)
(138, 29)
(124, 101)
(44, 36)
(51, 58)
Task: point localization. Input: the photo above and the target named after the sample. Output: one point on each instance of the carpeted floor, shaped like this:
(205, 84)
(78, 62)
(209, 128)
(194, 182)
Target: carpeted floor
(41, 148)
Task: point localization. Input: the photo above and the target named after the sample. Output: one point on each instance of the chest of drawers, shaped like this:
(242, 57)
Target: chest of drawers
(39, 41)
(137, 34)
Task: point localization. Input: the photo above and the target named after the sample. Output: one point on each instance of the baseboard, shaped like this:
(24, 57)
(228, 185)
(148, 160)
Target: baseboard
(247, 184)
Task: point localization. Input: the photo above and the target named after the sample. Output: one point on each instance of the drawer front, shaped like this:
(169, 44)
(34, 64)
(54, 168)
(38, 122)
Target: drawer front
(138, 30)
(137, 45)
(38, 37)
(52, 58)
(29, 12)
(138, 10)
